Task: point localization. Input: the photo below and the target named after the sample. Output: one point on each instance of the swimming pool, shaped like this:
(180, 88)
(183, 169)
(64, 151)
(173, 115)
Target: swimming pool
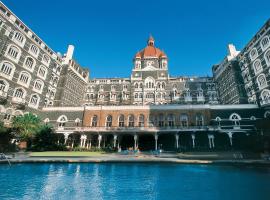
(133, 181)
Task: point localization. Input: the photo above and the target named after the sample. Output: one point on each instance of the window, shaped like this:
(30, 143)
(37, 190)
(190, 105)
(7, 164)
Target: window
(24, 78)
(235, 118)
(46, 59)
(261, 80)
(141, 120)
(257, 66)
(34, 50)
(253, 54)
(29, 63)
(265, 95)
(218, 120)
(109, 121)
(19, 38)
(267, 57)
(171, 120)
(184, 120)
(121, 121)
(7, 69)
(161, 120)
(34, 100)
(13, 53)
(131, 120)
(38, 85)
(113, 87)
(42, 72)
(19, 93)
(62, 120)
(94, 121)
(3, 86)
(265, 42)
(199, 120)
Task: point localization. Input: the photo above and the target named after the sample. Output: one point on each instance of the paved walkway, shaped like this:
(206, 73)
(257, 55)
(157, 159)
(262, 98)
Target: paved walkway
(142, 158)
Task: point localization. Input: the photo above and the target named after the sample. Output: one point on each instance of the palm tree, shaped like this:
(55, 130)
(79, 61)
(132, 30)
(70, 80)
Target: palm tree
(26, 126)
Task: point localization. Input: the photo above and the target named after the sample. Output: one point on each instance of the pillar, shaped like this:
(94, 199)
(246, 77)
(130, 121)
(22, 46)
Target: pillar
(83, 141)
(156, 142)
(66, 137)
(114, 141)
(177, 141)
(99, 140)
(211, 141)
(193, 140)
(230, 137)
(135, 142)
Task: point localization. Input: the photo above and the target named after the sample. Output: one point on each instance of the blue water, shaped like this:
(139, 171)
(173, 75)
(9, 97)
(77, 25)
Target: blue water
(133, 181)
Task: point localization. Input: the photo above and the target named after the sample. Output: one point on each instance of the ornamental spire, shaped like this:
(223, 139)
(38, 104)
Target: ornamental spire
(151, 41)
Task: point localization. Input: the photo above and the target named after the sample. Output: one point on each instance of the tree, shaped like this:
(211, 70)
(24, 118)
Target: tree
(5, 138)
(26, 126)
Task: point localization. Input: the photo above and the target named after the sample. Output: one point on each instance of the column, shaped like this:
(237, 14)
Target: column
(114, 141)
(81, 144)
(156, 142)
(230, 134)
(135, 142)
(83, 141)
(66, 137)
(99, 140)
(211, 141)
(193, 140)
(177, 141)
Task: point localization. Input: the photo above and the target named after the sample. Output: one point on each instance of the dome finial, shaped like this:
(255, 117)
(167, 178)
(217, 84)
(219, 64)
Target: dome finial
(151, 40)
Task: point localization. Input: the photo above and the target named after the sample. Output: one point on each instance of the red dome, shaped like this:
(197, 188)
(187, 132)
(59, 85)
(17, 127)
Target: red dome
(150, 50)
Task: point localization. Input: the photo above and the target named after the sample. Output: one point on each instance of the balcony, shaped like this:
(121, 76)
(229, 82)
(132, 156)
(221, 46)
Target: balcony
(19, 102)
(188, 99)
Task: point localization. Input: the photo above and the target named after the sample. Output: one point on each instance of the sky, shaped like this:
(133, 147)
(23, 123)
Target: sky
(108, 33)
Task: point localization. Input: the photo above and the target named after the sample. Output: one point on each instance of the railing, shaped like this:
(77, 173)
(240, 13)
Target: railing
(153, 128)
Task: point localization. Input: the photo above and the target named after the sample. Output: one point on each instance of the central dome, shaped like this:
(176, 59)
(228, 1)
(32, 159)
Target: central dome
(150, 51)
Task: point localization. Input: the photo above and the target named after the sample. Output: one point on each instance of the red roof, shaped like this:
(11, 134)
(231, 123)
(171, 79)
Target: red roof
(150, 50)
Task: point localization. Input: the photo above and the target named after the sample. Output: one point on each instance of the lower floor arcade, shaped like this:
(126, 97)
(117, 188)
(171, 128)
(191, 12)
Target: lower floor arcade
(166, 141)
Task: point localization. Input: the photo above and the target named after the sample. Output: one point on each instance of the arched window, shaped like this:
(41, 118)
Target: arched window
(199, 120)
(261, 80)
(109, 121)
(19, 38)
(163, 85)
(253, 54)
(62, 120)
(257, 66)
(267, 115)
(13, 53)
(8, 114)
(29, 63)
(149, 82)
(141, 120)
(218, 120)
(136, 85)
(171, 120)
(38, 85)
(161, 120)
(265, 95)
(24, 78)
(121, 121)
(34, 100)
(19, 93)
(235, 118)
(131, 120)
(46, 59)
(77, 122)
(7, 69)
(136, 96)
(34, 50)
(184, 120)
(94, 121)
(265, 42)
(267, 57)
(3, 86)
(42, 72)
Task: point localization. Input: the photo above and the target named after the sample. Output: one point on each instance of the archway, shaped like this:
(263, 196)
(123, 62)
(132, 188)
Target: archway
(126, 141)
(222, 141)
(146, 142)
(167, 141)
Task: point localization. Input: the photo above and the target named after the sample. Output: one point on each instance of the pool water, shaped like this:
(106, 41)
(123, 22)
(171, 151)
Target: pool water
(133, 181)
